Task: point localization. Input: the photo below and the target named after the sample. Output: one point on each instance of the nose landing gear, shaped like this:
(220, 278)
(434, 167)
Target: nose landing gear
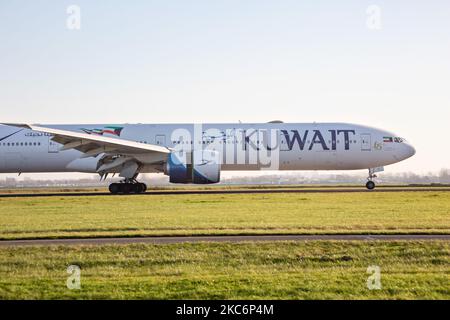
(128, 186)
(370, 185)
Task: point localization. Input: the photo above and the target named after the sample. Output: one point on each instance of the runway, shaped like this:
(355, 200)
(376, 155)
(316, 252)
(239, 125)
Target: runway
(233, 239)
(238, 191)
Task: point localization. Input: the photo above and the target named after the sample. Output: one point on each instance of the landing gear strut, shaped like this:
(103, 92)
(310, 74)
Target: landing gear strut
(128, 186)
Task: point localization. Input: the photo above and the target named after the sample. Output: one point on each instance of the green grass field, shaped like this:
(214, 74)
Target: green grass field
(266, 270)
(281, 270)
(294, 213)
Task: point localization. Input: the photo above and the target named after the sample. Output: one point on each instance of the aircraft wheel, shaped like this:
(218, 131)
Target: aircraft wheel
(370, 185)
(126, 188)
(114, 188)
(138, 188)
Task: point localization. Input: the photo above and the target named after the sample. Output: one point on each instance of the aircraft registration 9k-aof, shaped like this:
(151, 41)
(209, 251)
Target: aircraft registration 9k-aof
(196, 153)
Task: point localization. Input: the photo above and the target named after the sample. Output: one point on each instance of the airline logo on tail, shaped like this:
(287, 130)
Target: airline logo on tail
(116, 131)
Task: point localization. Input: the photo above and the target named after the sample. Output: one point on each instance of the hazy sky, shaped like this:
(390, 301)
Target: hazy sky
(231, 60)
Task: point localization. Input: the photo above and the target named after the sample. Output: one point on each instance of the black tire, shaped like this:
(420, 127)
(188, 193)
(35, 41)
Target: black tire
(144, 187)
(126, 188)
(138, 188)
(370, 185)
(114, 188)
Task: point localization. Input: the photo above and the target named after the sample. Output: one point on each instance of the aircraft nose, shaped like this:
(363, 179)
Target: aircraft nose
(412, 150)
(408, 151)
(404, 151)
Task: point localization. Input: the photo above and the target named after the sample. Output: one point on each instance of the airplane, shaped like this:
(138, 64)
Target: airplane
(196, 153)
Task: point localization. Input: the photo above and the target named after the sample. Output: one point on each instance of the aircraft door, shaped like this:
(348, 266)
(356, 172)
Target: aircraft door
(53, 147)
(366, 142)
(160, 140)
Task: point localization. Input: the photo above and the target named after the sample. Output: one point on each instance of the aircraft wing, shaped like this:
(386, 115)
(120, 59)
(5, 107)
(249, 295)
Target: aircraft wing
(92, 145)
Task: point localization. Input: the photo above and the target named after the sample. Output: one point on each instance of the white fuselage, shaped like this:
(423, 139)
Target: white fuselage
(302, 146)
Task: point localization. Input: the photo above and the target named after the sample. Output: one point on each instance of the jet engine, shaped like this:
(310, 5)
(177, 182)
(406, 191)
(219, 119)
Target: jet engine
(198, 167)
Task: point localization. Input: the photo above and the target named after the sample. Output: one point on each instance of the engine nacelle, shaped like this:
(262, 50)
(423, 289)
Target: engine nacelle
(198, 167)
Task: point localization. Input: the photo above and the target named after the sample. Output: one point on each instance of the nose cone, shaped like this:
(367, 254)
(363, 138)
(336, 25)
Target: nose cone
(408, 151)
(412, 150)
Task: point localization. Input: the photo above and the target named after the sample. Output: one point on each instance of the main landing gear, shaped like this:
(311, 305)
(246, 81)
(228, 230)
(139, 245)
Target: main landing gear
(128, 186)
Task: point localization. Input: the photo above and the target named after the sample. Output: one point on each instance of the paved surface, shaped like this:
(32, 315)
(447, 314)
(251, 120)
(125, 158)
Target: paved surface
(243, 191)
(256, 238)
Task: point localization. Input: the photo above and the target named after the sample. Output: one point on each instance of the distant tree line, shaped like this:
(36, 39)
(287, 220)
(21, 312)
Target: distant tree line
(286, 178)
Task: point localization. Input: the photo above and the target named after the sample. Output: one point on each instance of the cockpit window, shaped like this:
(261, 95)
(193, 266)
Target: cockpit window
(394, 139)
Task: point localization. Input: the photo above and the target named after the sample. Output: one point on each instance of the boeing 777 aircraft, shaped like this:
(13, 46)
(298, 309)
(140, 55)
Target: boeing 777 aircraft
(196, 153)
